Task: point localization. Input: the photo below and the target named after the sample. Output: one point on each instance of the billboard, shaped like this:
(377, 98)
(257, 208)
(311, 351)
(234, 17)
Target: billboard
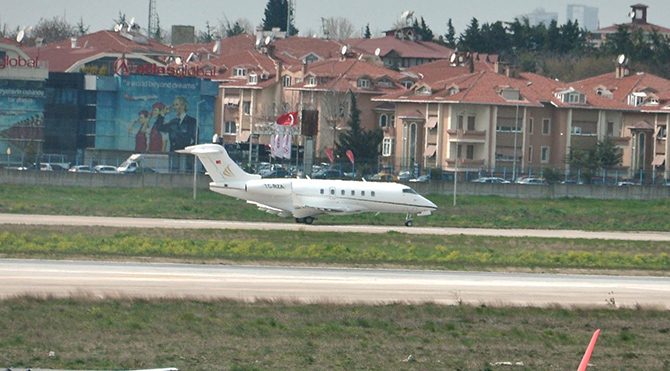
(21, 116)
(154, 114)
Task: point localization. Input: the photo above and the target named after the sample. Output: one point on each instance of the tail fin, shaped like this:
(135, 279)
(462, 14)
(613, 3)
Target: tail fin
(219, 165)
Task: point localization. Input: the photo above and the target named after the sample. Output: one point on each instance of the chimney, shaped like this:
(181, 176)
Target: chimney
(279, 67)
(73, 42)
(304, 68)
(621, 71)
(471, 64)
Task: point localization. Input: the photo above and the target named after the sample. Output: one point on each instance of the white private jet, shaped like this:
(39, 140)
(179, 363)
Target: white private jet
(305, 199)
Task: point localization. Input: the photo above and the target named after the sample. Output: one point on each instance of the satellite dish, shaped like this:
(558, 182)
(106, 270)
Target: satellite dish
(268, 39)
(344, 50)
(258, 42)
(216, 47)
(178, 60)
(631, 15)
(132, 21)
(452, 59)
(621, 59)
(20, 35)
(378, 51)
(117, 27)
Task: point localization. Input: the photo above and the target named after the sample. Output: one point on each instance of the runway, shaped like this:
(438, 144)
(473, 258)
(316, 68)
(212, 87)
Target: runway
(318, 284)
(370, 286)
(127, 222)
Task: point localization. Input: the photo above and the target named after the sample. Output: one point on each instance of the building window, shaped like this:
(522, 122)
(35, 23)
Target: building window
(363, 83)
(239, 72)
(407, 84)
(246, 108)
(387, 147)
(544, 155)
(230, 127)
(286, 81)
(459, 150)
(530, 153)
(471, 123)
(470, 152)
(253, 79)
(546, 126)
(383, 120)
(530, 125)
(459, 122)
(311, 81)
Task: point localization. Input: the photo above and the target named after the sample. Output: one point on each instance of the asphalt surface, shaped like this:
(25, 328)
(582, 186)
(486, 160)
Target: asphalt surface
(370, 286)
(126, 222)
(114, 279)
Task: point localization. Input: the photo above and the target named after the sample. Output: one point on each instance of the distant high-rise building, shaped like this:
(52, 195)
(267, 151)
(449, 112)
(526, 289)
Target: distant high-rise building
(539, 15)
(585, 16)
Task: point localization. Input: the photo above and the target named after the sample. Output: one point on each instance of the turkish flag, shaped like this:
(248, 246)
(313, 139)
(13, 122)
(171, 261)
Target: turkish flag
(288, 119)
(350, 155)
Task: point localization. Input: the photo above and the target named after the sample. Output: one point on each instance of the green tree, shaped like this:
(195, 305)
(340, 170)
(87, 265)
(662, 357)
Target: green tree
(363, 143)
(425, 31)
(450, 36)
(471, 39)
(276, 15)
(608, 155)
(367, 33)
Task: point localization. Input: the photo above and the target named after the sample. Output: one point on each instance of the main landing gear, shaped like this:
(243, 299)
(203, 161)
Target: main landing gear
(408, 220)
(305, 220)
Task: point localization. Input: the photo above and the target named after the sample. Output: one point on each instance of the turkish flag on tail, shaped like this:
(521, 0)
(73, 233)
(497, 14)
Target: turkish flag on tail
(288, 119)
(350, 155)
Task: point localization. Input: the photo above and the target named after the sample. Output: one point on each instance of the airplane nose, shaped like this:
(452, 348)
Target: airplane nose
(428, 203)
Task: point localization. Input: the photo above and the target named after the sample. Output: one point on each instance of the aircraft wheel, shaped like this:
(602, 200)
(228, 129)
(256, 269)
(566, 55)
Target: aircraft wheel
(308, 220)
(409, 223)
(299, 220)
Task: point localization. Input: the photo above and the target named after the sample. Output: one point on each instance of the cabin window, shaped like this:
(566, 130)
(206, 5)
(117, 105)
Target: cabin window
(332, 191)
(321, 190)
(408, 190)
(372, 193)
(353, 193)
(342, 192)
(362, 193)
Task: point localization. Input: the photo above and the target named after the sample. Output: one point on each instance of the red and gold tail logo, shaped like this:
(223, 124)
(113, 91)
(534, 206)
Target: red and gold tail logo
(228, 172)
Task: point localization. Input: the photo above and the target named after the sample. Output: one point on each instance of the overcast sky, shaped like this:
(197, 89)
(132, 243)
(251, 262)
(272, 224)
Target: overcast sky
(380, 14)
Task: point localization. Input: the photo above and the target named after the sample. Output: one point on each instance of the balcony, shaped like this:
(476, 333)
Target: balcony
(464, 163)
(470, 136)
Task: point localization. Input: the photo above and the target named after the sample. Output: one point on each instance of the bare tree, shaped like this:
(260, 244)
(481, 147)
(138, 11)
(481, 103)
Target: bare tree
(54, 29)
(337, 28)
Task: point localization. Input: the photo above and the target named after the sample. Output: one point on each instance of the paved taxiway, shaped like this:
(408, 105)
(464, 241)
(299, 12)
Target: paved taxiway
(63, 278)
(126, 222)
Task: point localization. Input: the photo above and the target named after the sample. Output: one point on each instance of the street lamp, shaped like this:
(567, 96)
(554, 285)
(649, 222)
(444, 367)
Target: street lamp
(195, 158)
(9, 152)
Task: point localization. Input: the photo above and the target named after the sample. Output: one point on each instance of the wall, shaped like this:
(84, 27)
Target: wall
(47, 178)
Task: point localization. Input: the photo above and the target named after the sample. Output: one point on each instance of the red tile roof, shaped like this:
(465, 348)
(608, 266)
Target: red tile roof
(404, 48)
(343, 74)
(292, 50)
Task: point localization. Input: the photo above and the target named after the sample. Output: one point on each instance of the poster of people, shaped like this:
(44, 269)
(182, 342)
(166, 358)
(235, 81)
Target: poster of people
(21, 115)
(159, 114)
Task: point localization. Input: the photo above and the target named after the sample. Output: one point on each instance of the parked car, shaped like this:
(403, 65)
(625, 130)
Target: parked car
(327, 174)
(421, 179)
(277, 172)
(491, 179)
(45, 166)
(530, 180)
(404, 176)
(105, 169)
(624, 183)
(80, 169)
(384, 177)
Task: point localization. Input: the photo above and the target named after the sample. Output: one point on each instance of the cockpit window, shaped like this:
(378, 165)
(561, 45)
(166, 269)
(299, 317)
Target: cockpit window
(408, 190)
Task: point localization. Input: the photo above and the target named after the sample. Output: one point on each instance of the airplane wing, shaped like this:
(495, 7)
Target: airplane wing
(270, 209)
